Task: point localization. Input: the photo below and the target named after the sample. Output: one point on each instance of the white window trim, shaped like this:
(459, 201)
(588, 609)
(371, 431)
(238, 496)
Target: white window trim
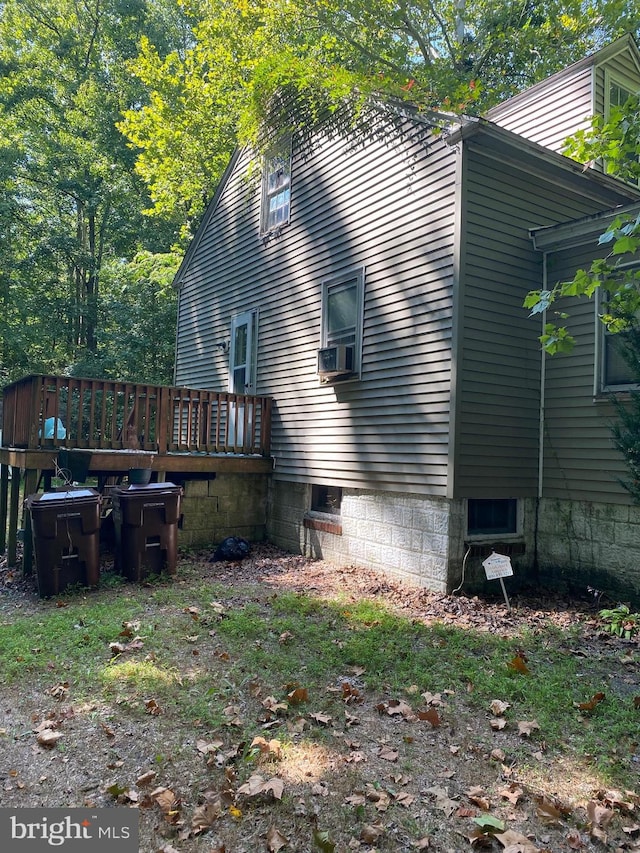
(346, 275)
(619, 80)
(282, 149)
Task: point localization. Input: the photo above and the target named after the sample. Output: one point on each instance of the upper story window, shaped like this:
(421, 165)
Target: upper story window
(617, 93)
(276, 187)
(341, 337)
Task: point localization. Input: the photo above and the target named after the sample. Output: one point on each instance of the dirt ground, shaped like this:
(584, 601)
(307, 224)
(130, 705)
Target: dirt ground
(376, 780)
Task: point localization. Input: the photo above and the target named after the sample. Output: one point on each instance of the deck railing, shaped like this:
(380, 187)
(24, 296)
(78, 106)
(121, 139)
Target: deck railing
(62, 411)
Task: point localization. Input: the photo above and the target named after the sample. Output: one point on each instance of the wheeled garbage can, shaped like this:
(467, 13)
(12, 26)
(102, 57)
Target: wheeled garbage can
(146, 526)
(66, 539)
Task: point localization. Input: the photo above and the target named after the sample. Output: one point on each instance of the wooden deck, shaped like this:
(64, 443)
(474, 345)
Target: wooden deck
(79, 428)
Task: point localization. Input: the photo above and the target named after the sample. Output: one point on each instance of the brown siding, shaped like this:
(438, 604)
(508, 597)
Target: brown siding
(388, 208)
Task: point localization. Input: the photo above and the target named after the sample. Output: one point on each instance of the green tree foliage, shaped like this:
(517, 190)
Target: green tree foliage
(615, 143)
(71, 202)
(259, 67)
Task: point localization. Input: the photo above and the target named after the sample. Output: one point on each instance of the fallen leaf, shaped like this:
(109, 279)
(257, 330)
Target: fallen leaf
(206, 747)
(152, 707)
(518, 664)
(48, 738)
(322, 840)
(257, 785)
(430, 716)
(443, 801)
(323, 719)
(513, 842)
(478, 796)
(525, 727)
(204, 816)
(422, 843)
(591, 704)
(512, 793)
(271, 748)
(370, 833)
(253, 786)
(298, 695)
(489, 823)
(387, 754)
(274, 786)
(547, 811)
(165, 798)
(498, 723)
(497, 707)
(574, 840)
(275, 839)
(146, 778)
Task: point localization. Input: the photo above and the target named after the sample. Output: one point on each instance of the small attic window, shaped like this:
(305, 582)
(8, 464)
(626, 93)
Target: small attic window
(276, 187)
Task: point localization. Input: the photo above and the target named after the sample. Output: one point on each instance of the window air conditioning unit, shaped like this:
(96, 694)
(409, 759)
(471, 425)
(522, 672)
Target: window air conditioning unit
(335, 361)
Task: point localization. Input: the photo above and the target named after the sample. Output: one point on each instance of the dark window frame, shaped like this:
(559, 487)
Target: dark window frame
(488, 517)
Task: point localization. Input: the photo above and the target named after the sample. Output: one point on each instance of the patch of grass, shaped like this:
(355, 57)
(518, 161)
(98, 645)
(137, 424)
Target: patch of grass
(205, 646)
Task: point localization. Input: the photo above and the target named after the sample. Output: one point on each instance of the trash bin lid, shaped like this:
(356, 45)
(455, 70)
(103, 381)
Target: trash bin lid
(157, 488)
(72, 494)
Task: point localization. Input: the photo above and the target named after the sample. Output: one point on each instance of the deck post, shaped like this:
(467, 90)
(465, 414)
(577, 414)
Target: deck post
(4, 505)
(12, 551)
(30, 486)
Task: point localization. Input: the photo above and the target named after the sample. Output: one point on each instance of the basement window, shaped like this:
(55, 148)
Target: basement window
(492, 516)
(326, 499)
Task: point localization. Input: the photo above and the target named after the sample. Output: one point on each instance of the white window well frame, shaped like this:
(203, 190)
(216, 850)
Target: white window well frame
(275, 211)
(349, 334)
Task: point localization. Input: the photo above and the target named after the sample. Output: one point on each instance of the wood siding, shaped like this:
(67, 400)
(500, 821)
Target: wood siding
(580, 461)
(388, 208)
(498, 386)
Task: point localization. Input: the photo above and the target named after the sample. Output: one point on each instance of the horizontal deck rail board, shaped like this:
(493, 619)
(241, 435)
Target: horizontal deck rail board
(42, 412)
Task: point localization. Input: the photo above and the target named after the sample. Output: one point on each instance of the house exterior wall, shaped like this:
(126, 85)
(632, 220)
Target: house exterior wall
(557, 107)
(387, 207)
(499, 359)
(551, 111)
(590, 544)
(407, 537)
(580, 461)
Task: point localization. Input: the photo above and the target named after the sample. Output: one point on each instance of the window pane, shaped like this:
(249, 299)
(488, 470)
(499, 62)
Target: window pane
(326, 499)
(240, 343)
(491, 516)
(616, 370)
(618, 95)
(342, 309)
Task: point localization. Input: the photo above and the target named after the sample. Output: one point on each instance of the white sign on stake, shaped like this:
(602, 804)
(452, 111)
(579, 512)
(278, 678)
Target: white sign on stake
(496, 567)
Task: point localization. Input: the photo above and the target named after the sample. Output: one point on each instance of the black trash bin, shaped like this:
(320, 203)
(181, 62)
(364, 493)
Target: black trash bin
(66, 539)
(146, 525)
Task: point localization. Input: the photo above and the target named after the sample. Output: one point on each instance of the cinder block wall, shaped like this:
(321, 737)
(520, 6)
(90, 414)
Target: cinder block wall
(583, 544)
(405, 536)
(229, 505)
